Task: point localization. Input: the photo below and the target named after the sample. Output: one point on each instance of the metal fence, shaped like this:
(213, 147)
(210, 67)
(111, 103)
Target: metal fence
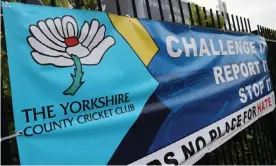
(255, 144)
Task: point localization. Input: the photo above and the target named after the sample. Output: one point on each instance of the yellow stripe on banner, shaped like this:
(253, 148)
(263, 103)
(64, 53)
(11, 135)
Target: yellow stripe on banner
(136, 36)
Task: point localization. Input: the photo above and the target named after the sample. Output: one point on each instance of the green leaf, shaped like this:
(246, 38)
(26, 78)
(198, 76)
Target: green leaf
(249, 136)
(62, 3)
(45, 2)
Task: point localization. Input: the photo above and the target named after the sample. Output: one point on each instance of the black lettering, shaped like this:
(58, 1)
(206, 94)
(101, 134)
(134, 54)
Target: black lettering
(116, 99)
(43, 113)
(121, 98)
(86, 118)
(188, 152)
(50, 127)
(109, 100)
(101, 100)
(227, 127)
(64, 108)
(27, 114)
(219, 132)
(85, 104)
(132, 107)
(78, 119)
(93, 115)
(233, 125)
(198, 140)
(154, 162)
(93, 103)
(239, 121)
(101, 114)
(169, 160)
(57, 125)
(49, 110)
(118, 108)
(127, 97)
(38, 132)
(78, 105)
(213, 135)
(254, 111)
(244, 116)
(249, 114)
(25, 131)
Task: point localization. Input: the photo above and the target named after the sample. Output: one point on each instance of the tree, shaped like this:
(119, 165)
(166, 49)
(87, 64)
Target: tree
(206, 20)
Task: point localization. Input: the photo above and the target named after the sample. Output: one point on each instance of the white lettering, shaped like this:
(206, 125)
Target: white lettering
(170, 50)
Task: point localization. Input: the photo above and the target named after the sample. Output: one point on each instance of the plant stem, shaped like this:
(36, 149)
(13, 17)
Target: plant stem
(77, 77)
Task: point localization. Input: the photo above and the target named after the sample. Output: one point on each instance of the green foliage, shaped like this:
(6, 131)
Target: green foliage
(206, 20)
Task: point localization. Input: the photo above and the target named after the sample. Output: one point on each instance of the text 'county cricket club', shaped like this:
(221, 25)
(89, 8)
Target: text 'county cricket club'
(58, 42)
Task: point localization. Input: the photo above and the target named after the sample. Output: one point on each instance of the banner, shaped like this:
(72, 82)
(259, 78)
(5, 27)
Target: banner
(95, 88)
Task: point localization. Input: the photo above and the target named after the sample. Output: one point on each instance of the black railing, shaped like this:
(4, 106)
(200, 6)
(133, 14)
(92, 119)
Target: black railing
(254, 145)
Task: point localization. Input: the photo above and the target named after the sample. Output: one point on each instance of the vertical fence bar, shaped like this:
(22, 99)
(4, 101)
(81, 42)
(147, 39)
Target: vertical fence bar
(148, 9)
(266, 34)
(249, 26)
(181, 11)
(236, 148)
(251, 148)
(160, 10)
(255, 144)
(224, 19)
(242, 24)
(266, 141)
(261, 143)
(237, 19)
(171, 9)
(262, 31)
(218, 18)
(99, 2)
(229, 22)
(78, 4)
(245, 24)
(212, 17)
(269, 139)
(117, 2)
(242, 149)
(224, 153)
(257, 134)
(191, 14)
(134, 8)
(261, 130)
(198, 15)
(269, 30)
(233, 20)
(53, 2)
(258, 31)
(205, 16)
(229, 147)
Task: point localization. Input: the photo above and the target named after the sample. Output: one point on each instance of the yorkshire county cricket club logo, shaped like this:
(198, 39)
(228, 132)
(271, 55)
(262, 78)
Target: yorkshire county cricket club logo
(58, 42)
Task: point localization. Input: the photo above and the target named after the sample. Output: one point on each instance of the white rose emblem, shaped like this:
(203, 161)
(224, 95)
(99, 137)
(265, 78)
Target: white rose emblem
(58, 42)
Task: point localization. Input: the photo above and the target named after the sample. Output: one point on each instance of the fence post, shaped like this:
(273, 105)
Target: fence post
(191, 14)
(6, 156)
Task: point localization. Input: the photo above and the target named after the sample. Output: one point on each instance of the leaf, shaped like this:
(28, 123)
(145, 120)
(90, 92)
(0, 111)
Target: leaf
(45, 2)
(249, 137)
(62, 3)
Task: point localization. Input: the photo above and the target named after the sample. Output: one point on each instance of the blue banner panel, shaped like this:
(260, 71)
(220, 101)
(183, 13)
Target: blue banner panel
(95, 88)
